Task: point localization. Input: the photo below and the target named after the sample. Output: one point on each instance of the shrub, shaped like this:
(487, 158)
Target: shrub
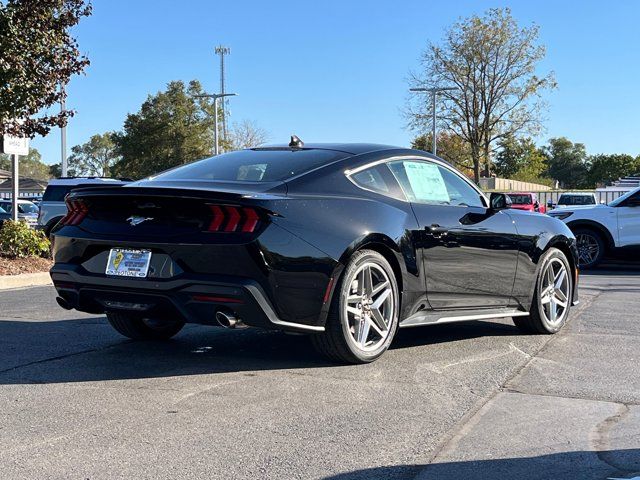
(18, 240)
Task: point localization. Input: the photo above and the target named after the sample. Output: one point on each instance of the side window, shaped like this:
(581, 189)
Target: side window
(380, 180)
(371, 179)
(426, 182)
(460, 192)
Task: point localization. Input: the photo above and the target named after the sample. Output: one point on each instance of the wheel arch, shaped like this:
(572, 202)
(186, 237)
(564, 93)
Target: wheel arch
(384, 246)
(598, 227)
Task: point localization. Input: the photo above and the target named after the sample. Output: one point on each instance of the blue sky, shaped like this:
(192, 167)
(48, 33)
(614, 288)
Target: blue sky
(337, 70)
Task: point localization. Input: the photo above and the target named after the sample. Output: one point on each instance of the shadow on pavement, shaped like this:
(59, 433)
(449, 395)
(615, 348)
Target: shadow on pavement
(578, 465)
(89, 350)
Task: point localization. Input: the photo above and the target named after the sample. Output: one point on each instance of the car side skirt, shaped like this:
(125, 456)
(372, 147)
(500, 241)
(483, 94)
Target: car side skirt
(430, 317)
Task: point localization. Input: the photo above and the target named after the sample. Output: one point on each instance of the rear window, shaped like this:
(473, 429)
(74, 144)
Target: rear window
(520, 199)
(253, 165)
(56, 193)
(576, 200)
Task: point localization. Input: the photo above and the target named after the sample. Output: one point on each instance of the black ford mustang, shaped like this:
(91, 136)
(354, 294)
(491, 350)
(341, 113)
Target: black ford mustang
(346, 242)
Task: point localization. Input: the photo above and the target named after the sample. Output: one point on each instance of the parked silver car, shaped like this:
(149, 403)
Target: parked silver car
(27, 211)
(52, 206)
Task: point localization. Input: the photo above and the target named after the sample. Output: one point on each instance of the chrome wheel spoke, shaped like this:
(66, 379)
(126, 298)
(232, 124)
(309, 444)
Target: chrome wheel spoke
(363, 331)
(354, 299)
(368, 282)
(356, 311)
(380, 331)
(381, 299)
(561, 296)
(380, 287)
(379, 320)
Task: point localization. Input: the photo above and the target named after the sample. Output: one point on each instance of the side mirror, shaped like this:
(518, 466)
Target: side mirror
(499, 201)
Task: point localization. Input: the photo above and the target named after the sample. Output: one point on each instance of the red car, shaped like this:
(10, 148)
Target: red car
(526, 201)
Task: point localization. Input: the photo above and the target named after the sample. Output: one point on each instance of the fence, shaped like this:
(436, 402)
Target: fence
(603, 196)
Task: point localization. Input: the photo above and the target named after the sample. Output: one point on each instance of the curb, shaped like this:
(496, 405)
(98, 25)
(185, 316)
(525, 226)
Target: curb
(24, 280)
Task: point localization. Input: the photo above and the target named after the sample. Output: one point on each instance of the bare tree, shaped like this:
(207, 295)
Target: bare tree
(492, 62)
(246, 134)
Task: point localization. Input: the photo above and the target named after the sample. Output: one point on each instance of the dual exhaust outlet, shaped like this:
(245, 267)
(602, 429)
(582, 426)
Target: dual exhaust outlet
(224, 319)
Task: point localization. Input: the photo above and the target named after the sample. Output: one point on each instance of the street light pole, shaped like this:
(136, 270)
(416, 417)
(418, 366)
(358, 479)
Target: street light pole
(215, 97)
(434, 92)
(63, 140)
(215, 128)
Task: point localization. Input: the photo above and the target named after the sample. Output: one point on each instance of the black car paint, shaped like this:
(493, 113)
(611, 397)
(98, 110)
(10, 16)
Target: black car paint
(314, 223)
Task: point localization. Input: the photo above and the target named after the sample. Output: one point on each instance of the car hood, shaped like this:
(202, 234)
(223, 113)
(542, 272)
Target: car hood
(579, 207)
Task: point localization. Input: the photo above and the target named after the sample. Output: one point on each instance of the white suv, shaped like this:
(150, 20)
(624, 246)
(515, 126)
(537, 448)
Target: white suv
(599, 228)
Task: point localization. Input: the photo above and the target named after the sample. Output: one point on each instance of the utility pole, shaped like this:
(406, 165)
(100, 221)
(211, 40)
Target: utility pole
(63, 139)
(434, 92)
(216, 96)
(223, 51)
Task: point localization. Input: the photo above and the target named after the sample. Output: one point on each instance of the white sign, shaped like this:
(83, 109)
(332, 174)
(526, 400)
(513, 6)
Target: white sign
(427, 182)
(15, 145)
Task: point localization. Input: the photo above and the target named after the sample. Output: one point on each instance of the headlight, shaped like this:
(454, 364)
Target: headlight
(560, 215)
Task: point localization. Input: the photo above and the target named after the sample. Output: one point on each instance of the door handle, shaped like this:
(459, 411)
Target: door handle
(436, 230)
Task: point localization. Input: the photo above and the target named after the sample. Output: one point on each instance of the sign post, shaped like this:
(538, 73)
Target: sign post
(15, 146)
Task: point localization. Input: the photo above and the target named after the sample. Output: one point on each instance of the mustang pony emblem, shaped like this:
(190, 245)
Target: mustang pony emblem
(135, 220)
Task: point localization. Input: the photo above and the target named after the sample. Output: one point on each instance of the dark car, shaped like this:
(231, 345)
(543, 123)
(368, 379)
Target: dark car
(4, 216)
(345, 242)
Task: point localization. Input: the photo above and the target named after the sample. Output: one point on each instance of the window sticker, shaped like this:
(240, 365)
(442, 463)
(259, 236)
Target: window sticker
(427, 182)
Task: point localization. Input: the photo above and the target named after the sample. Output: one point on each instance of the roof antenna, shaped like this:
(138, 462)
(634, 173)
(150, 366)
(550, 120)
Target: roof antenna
(296, 142)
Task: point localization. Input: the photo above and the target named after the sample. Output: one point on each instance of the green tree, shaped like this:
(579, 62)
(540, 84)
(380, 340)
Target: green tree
(520, 159)
(95, 157)
(492, 62)
(567, 162)
(171, 128)
(38, 57)
(603, 169)
(451, 148)
(29, 166)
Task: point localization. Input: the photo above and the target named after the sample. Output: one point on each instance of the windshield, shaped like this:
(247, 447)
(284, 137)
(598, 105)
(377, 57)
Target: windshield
(2, 210)
(260, 165)
(520, 199)
(576, 200)
(621, 199)
(28, 208)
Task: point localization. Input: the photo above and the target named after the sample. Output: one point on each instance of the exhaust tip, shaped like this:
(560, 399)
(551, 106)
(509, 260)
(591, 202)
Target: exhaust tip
(229, 320)
(63, 303)
(226, 320)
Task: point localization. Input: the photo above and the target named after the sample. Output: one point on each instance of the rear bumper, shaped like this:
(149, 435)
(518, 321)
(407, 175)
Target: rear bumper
(193, 299)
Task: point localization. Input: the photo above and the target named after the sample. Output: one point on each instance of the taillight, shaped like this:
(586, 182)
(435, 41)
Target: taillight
(77, 210)
(227, 218)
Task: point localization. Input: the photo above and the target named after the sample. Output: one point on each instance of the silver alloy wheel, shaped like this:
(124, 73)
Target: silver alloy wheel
(588, 248)
(369, 309)
(554, 291)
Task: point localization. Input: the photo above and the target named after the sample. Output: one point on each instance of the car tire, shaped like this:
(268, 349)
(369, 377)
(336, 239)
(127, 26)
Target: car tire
(363, 315)
(552, 295)
(138, 328)
(591, 247)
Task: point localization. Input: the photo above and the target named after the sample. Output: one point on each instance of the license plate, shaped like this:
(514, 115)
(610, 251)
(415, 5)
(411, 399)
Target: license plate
(128, 263)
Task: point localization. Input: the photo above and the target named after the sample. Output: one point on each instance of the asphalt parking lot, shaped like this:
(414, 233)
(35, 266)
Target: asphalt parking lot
(459, 401)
